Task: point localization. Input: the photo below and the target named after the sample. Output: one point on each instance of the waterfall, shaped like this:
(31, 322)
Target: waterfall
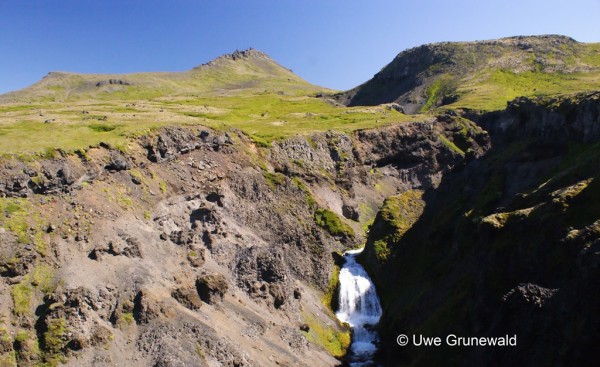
(358, 306)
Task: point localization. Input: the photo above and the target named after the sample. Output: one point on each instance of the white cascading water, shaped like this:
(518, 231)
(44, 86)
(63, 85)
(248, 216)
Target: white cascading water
(358, 306)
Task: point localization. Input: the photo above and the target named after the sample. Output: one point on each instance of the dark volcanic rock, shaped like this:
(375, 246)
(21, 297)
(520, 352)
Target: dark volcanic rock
(528, 295)
(171, 142)
(118, 162)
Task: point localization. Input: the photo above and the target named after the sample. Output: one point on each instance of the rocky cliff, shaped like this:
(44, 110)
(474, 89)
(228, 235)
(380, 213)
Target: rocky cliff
(507, 244)
(197, 247)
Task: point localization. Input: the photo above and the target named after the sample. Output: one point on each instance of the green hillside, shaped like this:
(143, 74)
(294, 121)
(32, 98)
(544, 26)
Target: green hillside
(245, 90)
(481, 75)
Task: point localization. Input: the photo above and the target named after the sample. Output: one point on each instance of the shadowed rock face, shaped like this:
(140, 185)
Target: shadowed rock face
(506, 244)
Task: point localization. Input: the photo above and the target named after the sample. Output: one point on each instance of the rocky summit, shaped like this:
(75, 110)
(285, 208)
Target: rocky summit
(200, 218)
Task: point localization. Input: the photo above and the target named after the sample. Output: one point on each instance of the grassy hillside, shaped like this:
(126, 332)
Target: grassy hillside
(245, 90)
(482, 75)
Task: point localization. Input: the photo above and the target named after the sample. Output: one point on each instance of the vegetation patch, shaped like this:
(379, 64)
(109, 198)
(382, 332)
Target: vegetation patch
(102, 128)
(335, 340)
(332, 223)
(53, 341)
(441, 89)
(274, 179)
(310, 199)
(21, 294)
(450, 144)
(330, 298)
(396, 216)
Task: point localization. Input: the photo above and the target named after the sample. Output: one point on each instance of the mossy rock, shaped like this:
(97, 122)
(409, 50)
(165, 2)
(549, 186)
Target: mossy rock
(332, 223)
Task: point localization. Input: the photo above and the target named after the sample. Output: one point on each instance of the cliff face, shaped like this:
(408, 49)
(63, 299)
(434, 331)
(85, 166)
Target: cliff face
(196, 247)
(507, 244)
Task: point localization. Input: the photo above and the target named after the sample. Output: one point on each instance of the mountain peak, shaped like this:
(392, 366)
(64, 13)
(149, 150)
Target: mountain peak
(237, 55)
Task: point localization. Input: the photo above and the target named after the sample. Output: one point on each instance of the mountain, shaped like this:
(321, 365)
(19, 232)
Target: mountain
(246, 70)
(481, 75)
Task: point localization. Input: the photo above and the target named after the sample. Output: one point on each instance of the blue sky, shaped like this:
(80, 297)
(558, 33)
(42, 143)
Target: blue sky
(333, 43)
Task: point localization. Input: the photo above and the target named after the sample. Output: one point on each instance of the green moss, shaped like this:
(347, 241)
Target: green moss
(147, 215)
(22, 335)
(137, 175)
(274, 179)
(200, 352)
(442, 87)
(19, 216)
(451, 145)
(127, 318)
(330, 297)
(310, 199)
(40, 244)
(163, 187)
(43, 278)
(54, 341)
(21, 294)
(124, 200)
(8, 359)
(335, 340)
(332, 223)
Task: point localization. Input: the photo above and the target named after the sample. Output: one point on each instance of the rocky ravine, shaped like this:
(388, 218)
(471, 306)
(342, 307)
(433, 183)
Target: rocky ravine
(195, 247)
(506, 244)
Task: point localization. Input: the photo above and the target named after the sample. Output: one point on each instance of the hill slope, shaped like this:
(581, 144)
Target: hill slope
(241, 70)
(246, 90)
(481, 75)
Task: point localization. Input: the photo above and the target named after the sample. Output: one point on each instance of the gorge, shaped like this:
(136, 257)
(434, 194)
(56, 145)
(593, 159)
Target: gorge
(208, 217)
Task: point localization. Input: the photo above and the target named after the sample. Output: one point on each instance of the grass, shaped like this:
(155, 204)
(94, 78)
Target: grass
(260, 98)
(396, 216)
(450, 144)
(265, 117)
(330, 296)
(335, 340)
(332, 223)
(21, 294)
(492, 90)
(440, 88)
(274, 179)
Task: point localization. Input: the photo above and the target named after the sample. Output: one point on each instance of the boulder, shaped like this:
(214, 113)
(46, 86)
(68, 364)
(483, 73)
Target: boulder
(212, 287)
(188, 296)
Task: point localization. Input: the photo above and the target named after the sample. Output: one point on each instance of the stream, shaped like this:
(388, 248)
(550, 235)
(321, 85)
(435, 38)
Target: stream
(358, 306)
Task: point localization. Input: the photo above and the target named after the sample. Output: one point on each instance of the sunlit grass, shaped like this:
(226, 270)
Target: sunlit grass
(492, 91)
(266, 116)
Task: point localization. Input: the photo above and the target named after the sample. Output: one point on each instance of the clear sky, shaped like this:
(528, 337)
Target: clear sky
(332, 43)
